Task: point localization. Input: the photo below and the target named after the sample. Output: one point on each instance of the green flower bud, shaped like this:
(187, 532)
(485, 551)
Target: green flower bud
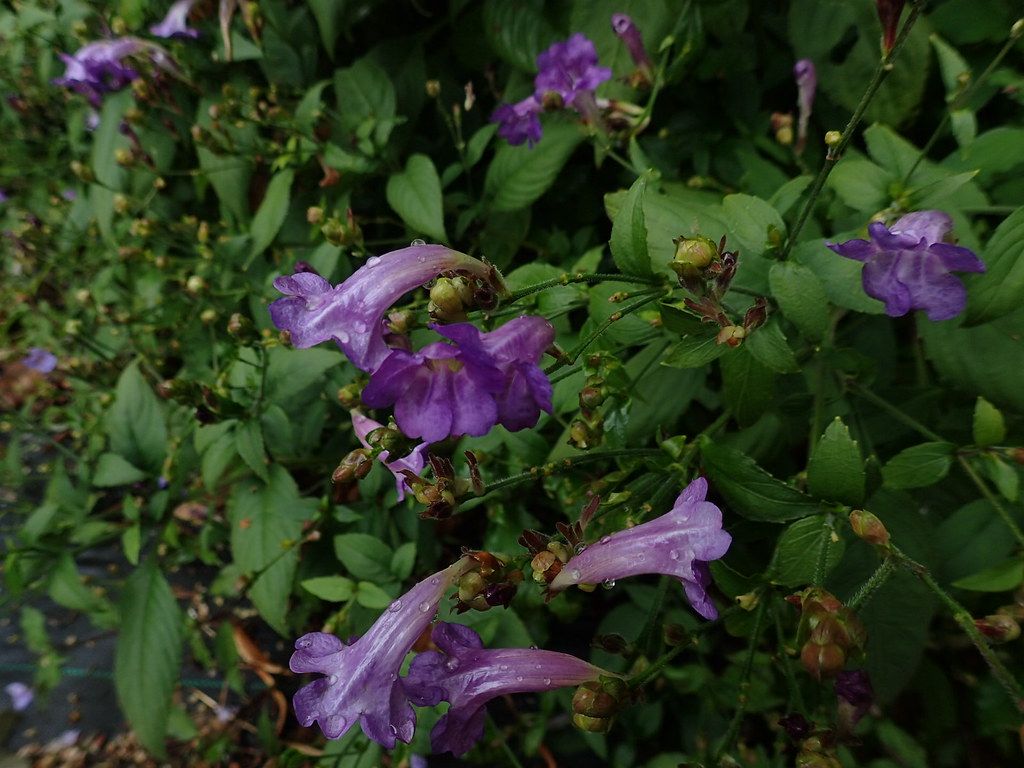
(692, 255)
(869, 528)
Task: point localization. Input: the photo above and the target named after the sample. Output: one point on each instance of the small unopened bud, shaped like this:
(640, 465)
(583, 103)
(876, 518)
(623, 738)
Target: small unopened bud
(208, 316)
(355, 466)
(833, 139)
(869, 528)
(675, 635)
(756, 315)
(314, 214)
(195, 284)
(782, 127)
(83, 172)
(446, 300)
(1017, 29)
(546, 566)
(241, 329)
(433, 88)
(822, 660)
(585, 435)
(998, 628)
(732, 335)
(470, 586)
(349, 396)
(692, 255)
(401, 321)
(120, 203)
(749, 601)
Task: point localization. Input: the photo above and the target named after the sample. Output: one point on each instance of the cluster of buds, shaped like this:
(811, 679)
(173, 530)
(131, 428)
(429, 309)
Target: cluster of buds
(490, 584)
(829, 632)
(595, 704)
(1004, 625)
(442, 496)
(606, 380)
(550, 554)
(345, 234)
(818, 751)
(455, 291)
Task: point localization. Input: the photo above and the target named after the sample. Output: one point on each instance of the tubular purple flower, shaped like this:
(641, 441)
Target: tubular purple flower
(627, 32)
(99, 67)
(518, 122)
(414, 462)
(484, 379)
(679, 543)
(352, 313)
(908, 266)
(39, 360)
(466, 674)
(570, 70)
(806, 77)
(361, 680)
(175, 23)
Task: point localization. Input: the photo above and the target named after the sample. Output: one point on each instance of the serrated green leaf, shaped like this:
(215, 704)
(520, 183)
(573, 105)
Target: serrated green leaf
(919, 466)
(861, 184)
(801, 297)
(748, 385)
(369, 595)
(989, 427)
(113, 470)
(768, 346)
(519, 175)
(749, 490)
(249, 443)
(148, 658)
(801, 546)
(266, 522)
(334, 589)
(272, 212)
(1001, 289)
(364, 557)
(1004, 577)
(835, 471)
(415, 195)
(629, 232)
(135, 422)
(694, 351)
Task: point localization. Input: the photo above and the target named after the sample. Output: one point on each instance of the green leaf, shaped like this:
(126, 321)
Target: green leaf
(891, 151)
(754, 227)
(249, 442)
(365, 557)
(369, 595)
(272, 211)
(747, 385)
(767, 345)
(266, 522)
(112, 470)
(519, 175)
(518, 31)
(801, 546)
(403, 560)
(938, 194)
(289, 371)
(989, 428)
(148, 658)
(862, 185)
(993, 152)
(841, 277)
(333, 589)
(695, 350)
(951, 64)
(1005, 476)
(135, 422)
(131, 543)
(835, 471)
(346, 161)
(629, 232)
(801, 297)
(328, 15)
(415, 195)
(1004, 577)
(1001, 289)
(366, 99)
(749, 490)
(919, 466)
(786, 196)
(66, 588)
(218, 448)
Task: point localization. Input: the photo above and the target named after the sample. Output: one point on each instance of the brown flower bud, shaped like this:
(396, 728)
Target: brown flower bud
(998, 628)
(869, 528)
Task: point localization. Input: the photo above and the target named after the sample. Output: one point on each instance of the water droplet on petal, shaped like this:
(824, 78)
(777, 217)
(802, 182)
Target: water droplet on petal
(579, 548)
(547, 681)
(373, 261)
(605, 539)
(417, 241)
(359, 326)
(503, 667)
(394, 730)
(421, 258)
(396, 605)
(519, 678)
(394, 677)
(673, 554)
(435, 581)
(575, 574)
(608, 583)
(424, 606)
(641, 557)
(332, 679)
(452, 663)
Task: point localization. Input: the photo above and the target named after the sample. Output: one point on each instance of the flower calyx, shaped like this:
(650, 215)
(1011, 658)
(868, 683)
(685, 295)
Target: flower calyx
(488, 585)
(443, 494)
(829, 633)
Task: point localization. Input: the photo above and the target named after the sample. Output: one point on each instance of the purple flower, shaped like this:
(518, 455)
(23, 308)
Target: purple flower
(361, 680)
(468, 676)
(175, 23)
(627, 32)
(519, 122)
(446, 390)
(3, 196)
(806, 82)
(855, 693)
(100, 67)
(908, 266)
(39, 360)
(414, 462)
(679, 543)
(570, 69)
(21, 696)
(352, 313)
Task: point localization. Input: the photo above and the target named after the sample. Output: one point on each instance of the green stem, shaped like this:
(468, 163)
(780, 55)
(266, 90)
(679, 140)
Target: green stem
(748, 668)
(649, 639)
(992, 499)
(891, 409)
(869, 587)
(963, 617)
(885, 66)
(550, 469)
(796, 698)
(827, 531)
(583, 277)
(512, 759)
(964, 96)
(571, 357)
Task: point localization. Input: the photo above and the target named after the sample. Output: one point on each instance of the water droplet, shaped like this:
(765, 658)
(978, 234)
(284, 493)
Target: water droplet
(421, 258)
(535, 666)
(417, 241)
(332, 679)
(579, 548)
(359, 326)
(575, 574)
(424, 606)
(533, 647)
(605, 539)
(519, 678)
(641, 557)
(452, 664)
(394, 730)
(435, 581)
(547, 681)
(608, 583)
(341, 336)
(673, 554)
(503, 667)
(396, 605)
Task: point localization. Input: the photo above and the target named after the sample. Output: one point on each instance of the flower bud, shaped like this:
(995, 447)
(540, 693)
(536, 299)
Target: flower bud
(546, 566)
(732, 335)
(448, 299)
(692, 255)
(208, 316)
(82, 172)
(241, 329)
(869, 528)
(585, 435)
(433, 88)
(998, 628)
(832, 139)
(314, 214)
(355, 466)
(822, 660)
(195, 284)
(349, 397)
